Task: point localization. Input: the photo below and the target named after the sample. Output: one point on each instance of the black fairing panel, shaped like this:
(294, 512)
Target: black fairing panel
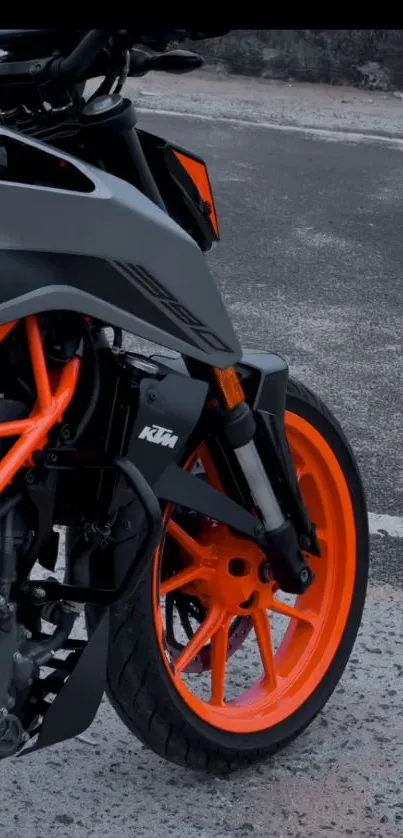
(172, 405)
(72, 280)
(75, 238)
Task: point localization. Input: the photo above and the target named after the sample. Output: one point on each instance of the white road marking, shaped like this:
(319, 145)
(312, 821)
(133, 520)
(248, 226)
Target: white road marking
(331, 134)
(391, 525)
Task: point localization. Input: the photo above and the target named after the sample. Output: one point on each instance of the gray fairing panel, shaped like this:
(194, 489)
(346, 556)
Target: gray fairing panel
(112, 254)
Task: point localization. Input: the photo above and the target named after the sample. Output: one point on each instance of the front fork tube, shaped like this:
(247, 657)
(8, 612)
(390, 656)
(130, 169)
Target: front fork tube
(260, 486)
(240, 428)
(283, 548)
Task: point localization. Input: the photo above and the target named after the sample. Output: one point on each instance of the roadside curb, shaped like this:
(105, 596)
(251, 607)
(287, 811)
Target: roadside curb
(338, 134)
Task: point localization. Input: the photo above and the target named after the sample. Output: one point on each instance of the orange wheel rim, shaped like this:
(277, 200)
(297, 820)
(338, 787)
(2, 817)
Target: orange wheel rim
(223, 570)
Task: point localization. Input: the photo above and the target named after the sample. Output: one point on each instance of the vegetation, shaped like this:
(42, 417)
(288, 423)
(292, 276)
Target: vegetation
(366, 57)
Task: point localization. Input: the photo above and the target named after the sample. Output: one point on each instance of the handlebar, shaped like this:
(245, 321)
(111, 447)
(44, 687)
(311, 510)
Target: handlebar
(74, 67)
(89, 59)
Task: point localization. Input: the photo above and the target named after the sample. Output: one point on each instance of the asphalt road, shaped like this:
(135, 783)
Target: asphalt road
(310, 265)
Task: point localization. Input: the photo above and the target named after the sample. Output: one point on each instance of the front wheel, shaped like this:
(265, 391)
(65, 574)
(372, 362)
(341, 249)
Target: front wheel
(211, 665)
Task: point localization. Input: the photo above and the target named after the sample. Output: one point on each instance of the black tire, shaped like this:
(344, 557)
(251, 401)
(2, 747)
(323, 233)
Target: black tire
(141, 690)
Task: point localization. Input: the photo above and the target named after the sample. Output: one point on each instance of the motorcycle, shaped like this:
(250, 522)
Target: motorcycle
(202, 492)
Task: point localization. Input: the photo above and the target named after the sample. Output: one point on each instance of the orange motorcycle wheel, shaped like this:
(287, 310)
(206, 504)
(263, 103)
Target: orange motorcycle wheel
(175, 691)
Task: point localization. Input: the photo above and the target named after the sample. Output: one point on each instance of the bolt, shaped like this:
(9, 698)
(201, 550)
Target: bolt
(304, 575)
(3, 712)
(151, 395)
(25, 736)
(30, 478)
(2, 602)
(259, 530)
(65, 432)
(52, 457)
(17, 657)
(39, 593)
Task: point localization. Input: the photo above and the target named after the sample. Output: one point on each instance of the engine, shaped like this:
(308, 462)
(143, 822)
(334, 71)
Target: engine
(69, 485)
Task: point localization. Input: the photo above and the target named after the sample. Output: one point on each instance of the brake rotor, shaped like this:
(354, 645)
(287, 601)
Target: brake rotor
(191, 609)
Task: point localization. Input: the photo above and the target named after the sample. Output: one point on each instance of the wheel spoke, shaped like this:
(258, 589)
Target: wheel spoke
(179, 580)
(188, 544)
(263, 635)
(219, 654)
(214, 620)
(295, 613)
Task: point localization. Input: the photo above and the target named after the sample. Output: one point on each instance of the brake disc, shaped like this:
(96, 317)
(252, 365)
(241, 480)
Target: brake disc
(188, 609)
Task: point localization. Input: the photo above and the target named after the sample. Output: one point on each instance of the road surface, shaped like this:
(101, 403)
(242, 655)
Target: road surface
(310, 265)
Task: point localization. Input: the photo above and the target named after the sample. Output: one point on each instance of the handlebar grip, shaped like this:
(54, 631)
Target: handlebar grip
(75, 65)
